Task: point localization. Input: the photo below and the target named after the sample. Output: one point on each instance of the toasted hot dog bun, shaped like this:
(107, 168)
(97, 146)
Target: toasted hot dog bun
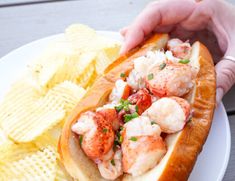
(182, 147)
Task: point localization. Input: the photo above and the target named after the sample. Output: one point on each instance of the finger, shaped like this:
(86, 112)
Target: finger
(181, 33)
(200, 17)
(225, 75)
(167, 12)
(164, 29)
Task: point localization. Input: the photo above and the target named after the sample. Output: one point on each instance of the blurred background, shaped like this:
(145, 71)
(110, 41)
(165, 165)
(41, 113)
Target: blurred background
(23, 21)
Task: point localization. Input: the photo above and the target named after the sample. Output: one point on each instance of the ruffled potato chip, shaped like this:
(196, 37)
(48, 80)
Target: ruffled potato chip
(27, 123)
(39, 165)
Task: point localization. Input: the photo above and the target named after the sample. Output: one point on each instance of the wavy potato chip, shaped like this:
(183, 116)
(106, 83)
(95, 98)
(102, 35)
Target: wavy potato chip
(48, 139)
(80, 36)
(28, 122)
(66, 94)
(11, 151)
(21, 94)
(91, 80)
(84, 80)
(3, 138)
(40, 165)
(58, 68)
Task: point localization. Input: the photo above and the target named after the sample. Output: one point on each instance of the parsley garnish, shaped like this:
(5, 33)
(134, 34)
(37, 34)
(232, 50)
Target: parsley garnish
(80, 139)
(124, 104)
(133, 138)
(184, 61)
(105, 130)
(136, 108)
(120, 139)
(150, 76)
(128, 117)
(162, 66)
(116, 142)
(122, 75)
(119, 108)
(152, 123)
(112, 162)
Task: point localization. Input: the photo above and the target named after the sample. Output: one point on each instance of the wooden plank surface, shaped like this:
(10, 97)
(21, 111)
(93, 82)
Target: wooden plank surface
(23, 24)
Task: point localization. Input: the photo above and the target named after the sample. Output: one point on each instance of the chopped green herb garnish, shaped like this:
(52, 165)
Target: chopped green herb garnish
(105, 130)
(118, 108)
(136, 108)
(120, 139)
(122, 101)
(124, 104)
(121, 128)
(133, 138)
(184, 61)
(80, 139)
(152, 123)
(116, 142)
(122, 75)
(128, 117)
(150, 76)
(126, 108)
(162, 66)
(113, 162)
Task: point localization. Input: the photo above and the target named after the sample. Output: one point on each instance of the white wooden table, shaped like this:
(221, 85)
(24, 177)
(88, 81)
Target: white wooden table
(22, 21)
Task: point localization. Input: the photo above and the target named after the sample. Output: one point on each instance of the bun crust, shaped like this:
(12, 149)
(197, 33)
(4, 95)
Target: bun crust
(185, 146)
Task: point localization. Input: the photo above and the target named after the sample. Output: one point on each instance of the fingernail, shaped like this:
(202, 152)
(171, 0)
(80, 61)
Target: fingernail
(219, 95)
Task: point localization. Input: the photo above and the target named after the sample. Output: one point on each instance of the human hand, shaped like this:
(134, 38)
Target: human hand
(211, 22)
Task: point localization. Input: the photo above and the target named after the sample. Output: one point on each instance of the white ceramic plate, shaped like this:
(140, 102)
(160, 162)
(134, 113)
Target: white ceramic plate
(213, 160)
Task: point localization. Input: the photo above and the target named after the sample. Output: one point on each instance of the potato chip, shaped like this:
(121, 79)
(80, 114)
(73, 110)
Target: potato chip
(85, 68)
(40, 165)
(11, 151)
(105, 44)
(3, 138)
(80, 36)
(47, 71)
(29, 122)
(47, 139)
(67, 94)
(102, 61)
(21, 94)
(58, 68)
(111, 53)
(91, 80)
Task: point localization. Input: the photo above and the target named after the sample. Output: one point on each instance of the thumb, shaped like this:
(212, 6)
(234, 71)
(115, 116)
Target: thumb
(225, 75)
